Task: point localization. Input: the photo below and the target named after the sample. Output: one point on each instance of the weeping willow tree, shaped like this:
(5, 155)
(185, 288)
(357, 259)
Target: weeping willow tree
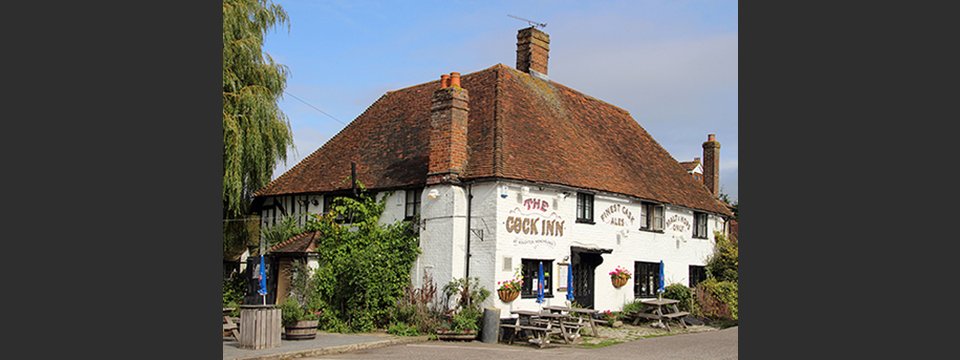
(256, 133)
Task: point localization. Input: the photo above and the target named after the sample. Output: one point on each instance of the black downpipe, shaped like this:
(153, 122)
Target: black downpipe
(353, 178)
(469, 203)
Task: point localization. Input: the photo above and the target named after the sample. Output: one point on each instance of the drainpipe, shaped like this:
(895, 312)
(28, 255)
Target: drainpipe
(469, 203)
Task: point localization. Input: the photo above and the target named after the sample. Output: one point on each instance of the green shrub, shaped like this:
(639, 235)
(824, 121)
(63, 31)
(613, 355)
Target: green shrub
(633, 305)
(681, 293)
(233, 290)
(364, 265)
(402, 329)
(467, 313)
(717, 300)
(724, 263)
(420, 307)
(466, 319)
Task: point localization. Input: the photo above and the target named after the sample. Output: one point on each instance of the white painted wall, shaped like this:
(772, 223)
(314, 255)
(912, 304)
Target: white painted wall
(443, 235)
(675, 246)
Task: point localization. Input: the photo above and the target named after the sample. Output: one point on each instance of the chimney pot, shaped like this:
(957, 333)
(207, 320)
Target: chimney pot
(455, 79)
(444, 81)
(711, 137)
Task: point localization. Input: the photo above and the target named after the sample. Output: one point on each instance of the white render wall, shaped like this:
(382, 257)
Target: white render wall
(675, 246)
(443, 232)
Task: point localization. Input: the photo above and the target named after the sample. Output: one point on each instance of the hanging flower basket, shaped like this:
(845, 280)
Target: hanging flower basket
(507, 295)
(619, 277)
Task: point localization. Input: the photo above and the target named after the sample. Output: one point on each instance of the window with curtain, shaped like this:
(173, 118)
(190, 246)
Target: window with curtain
(700, 225)
(651, 217)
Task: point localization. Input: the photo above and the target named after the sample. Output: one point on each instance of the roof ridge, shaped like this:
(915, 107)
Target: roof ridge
(293, 239)
(498, 122)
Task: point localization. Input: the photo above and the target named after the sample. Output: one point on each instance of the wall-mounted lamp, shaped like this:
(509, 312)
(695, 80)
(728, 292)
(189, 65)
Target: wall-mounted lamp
(433, 194)
(316, 201)
(503, 192)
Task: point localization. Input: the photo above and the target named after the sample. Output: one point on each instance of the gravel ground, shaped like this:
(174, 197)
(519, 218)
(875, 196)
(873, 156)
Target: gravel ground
(629, 332)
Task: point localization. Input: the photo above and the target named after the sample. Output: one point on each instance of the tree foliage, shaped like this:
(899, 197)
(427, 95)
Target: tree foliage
(256, 133)
(364, 265)
(282, 231)
(724, 263)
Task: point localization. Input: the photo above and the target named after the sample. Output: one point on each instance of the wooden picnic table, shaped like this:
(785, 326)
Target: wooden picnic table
(541, 329)
(229, 325)
(654, 309)
(578, 311)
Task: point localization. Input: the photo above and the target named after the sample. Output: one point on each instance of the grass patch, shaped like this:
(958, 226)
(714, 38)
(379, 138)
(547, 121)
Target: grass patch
(601, 344)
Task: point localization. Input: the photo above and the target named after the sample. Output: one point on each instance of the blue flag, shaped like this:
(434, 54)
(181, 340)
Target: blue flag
(569, 283)
(540, 285)
(263, 278)
(661, 277)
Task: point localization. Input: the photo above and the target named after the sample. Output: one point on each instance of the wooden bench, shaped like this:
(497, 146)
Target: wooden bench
(656, 315)
(678, 316)
(541, 334)
(229, 325)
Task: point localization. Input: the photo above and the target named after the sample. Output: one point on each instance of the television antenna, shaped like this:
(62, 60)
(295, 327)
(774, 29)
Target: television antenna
(532, 23)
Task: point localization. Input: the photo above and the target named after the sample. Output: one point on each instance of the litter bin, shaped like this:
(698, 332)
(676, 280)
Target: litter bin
(491, 325)
(259, 326)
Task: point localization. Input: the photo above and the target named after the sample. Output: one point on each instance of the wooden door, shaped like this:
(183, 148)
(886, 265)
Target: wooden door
(583, 279)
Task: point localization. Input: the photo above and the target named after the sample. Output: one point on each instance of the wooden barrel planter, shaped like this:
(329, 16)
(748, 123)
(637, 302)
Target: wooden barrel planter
(260, 327)
(508, 296)
(301, 330)
(619, 282)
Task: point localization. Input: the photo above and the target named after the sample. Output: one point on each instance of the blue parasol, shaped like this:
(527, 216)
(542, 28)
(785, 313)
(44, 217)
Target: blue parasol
(263, 280)
(660, 290)
(569, 283)
(540, 285)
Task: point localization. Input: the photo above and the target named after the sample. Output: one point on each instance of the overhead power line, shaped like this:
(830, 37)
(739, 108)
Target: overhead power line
(314, 107)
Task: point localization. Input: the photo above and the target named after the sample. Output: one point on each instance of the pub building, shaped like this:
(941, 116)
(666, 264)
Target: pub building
(506, 168)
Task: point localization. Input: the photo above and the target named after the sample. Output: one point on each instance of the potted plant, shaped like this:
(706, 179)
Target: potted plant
(619, 277)
(300, 310)
(467, 314)
(510, 289)
(299, 322)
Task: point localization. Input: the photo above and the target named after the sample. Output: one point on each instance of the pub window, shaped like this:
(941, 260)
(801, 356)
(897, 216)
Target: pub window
(697, 274)
(584, 208)
(531, 274)
(646, 279)
(413, 203)
(700, 225)
(651, 217)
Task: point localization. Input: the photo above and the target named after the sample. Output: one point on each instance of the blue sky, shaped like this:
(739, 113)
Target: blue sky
(672, 64)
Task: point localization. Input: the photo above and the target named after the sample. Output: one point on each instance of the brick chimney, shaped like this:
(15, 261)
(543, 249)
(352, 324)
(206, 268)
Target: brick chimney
(448, 131)
(711, 165)
(533, 47)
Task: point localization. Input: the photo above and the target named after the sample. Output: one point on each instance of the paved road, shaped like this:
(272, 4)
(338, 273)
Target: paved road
(722, 344)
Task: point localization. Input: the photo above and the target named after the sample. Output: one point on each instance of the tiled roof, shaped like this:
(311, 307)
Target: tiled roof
(690, 165)
(520, 127)
(297, 244)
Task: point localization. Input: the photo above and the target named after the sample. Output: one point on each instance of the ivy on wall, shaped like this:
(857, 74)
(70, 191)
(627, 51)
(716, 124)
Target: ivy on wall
(364, 266)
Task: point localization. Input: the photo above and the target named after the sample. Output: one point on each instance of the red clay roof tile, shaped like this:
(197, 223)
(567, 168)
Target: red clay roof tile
(520, 127)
